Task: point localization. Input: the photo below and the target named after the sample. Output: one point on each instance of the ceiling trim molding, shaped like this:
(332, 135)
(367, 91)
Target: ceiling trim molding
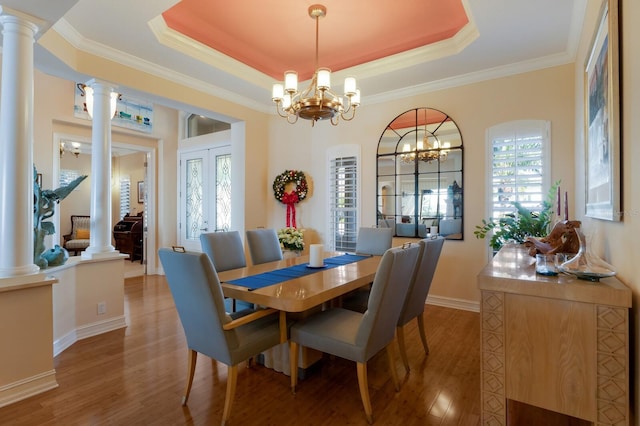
(177, 41)
(79, 42)
(416, 56)
(188, 46)
(474, 77)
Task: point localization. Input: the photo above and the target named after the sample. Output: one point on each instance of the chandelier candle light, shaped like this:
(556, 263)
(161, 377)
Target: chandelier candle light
(316, 102)
(425, 150)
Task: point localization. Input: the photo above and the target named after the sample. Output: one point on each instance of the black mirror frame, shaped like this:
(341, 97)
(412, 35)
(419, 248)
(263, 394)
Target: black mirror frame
(416, 166)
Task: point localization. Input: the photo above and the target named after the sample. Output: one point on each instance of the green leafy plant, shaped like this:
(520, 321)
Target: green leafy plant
(517, 226)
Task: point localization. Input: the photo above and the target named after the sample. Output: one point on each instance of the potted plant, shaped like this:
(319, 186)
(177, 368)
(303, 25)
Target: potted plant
(291, 239)
(517, 226)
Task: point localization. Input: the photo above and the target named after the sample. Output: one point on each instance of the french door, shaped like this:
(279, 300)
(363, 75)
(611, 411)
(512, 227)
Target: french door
(205, 194)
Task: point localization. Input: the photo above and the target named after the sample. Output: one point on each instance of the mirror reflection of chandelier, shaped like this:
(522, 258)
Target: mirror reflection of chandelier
(316, 102)
(425, 150)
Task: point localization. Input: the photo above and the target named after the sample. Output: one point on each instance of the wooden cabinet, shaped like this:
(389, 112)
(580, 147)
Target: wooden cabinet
(556, 343)
(128, 237)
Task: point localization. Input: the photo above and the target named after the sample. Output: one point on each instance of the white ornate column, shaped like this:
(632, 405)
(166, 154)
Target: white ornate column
(100, 234)
(16, 143)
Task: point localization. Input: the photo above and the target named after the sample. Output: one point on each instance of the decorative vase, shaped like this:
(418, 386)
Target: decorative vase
(287, 254)
(585, 265)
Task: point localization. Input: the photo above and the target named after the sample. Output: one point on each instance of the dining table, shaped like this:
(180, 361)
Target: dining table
(293, 286)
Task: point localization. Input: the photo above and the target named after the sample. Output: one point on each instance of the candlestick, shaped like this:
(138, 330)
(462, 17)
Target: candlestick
(566, 206)
(558, 202)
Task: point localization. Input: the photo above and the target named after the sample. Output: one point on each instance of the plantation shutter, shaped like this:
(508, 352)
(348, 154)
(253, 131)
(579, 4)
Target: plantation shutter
(125, 197)
(343, 203)
(520, 166)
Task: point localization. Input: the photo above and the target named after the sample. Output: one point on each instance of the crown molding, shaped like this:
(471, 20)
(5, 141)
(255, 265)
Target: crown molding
(474, 77)
(416, 56)
(81, 43)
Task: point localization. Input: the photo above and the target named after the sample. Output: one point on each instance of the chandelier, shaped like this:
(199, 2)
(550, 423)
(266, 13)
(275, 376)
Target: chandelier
(316, 102)
(74, 149)
(426, 150)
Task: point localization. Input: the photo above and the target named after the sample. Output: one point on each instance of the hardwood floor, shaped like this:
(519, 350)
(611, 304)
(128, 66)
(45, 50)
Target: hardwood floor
(136, 376)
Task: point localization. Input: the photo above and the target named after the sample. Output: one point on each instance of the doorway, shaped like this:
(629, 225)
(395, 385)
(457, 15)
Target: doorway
(205, 193)
(123, 156)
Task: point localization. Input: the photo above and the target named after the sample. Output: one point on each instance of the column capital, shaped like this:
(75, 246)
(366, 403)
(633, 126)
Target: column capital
(8, 14)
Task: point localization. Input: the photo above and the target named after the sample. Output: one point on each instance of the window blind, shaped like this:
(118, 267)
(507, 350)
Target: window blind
(343, 190)
(519, 166)
(125, 197)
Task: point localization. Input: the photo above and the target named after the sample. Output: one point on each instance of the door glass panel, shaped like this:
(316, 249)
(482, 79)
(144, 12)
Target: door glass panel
(194, 198)
(223, 192)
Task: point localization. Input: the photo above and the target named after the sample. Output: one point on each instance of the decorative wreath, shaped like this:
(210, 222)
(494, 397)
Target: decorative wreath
(298, 194)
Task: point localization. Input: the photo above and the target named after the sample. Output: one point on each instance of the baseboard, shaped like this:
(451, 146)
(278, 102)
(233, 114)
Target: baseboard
(88, 330)
(27, 388)
(64, 342)
(101, 327)
(448, 302)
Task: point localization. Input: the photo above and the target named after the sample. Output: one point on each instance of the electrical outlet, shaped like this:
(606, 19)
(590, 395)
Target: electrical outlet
(102, 308)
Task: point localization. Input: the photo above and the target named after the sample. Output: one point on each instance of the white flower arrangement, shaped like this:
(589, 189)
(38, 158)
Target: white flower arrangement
(291, 238)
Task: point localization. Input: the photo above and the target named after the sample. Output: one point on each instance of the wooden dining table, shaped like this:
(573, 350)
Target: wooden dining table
(303, 293)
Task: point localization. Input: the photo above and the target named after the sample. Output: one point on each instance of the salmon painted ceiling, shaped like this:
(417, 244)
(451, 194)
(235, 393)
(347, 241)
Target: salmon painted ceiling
(277, 35)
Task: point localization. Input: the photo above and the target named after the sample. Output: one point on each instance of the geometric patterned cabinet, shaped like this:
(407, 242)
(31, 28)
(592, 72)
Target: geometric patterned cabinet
(556, 343)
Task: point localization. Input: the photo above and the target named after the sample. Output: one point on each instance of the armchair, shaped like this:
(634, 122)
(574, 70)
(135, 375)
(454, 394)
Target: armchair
(78, 239)
(358, 337)
(209, 330)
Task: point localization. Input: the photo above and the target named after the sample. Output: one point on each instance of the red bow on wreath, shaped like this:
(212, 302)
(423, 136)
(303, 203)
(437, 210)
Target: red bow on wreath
(290, 199)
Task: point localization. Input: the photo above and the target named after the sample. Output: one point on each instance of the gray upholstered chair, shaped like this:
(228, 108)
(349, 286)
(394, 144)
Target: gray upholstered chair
(374, 241)
(197, 294)
(418, 292)
(264, 245)
(225, 249)
(356, 336)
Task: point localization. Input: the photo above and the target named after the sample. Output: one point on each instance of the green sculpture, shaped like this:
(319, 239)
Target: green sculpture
(44, 202)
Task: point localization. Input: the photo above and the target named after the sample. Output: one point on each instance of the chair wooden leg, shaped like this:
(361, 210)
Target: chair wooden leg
(392, 366)
(232, 379)
(423, 336)
(191, 368)
(364, 390)
(293, 362)
(403, 348)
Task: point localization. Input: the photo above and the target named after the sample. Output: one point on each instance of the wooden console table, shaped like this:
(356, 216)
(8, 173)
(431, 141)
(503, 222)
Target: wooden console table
(556, 343)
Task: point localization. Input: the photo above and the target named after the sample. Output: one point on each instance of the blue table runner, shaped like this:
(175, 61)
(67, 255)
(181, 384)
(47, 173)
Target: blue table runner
(279, 275)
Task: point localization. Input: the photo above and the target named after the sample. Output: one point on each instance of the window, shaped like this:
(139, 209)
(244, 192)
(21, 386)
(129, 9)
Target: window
(198, 125)
(518, 152)
(125, 197)
(68, 176)
(343, 201)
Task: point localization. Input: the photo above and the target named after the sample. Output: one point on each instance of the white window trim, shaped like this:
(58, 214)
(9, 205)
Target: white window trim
(338, 151)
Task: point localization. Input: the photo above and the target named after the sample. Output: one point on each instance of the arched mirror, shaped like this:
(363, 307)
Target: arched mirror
(420, 175)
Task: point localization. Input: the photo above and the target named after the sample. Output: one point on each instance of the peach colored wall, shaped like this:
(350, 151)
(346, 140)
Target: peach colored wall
(253, 134)
(546, 95)
(53, 113)
(616, 242)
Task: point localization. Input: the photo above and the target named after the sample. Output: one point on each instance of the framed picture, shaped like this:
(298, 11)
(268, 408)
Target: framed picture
(140, 192)
(602, 119)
